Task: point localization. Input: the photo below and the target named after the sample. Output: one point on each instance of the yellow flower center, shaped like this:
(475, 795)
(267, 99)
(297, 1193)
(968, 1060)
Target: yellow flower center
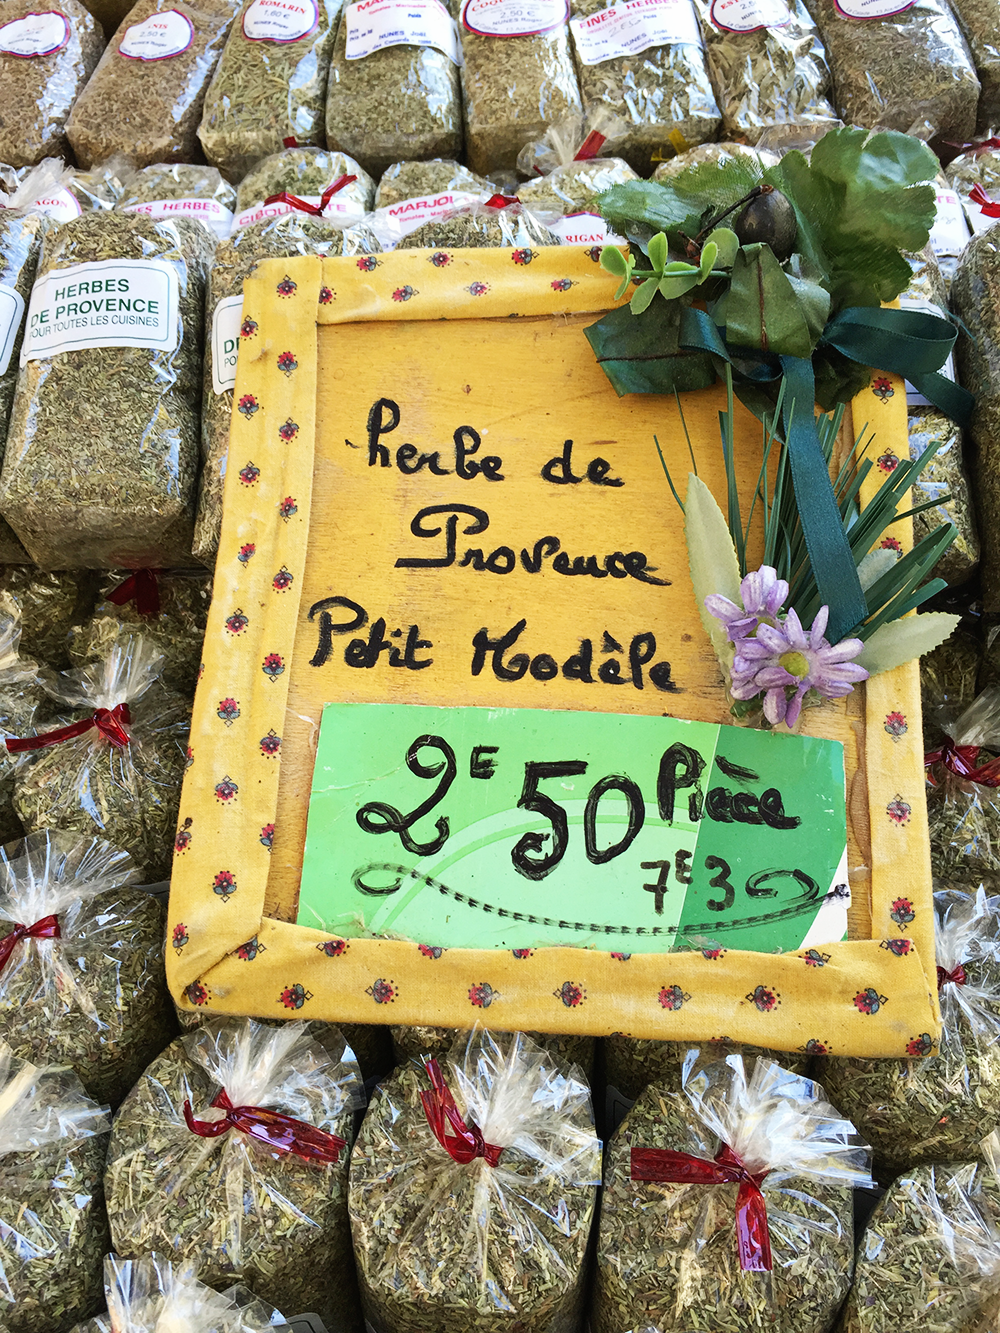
(795, 664)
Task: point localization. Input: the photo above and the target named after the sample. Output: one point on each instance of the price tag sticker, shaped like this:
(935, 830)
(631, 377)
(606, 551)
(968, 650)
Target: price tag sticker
(521, 828)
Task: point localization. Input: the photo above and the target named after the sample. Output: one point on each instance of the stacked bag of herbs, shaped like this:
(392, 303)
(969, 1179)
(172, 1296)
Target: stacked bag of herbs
(937, 1109)
(21, 696)
(412, 193)
(179, 190)
(728, 1205)
(500, 221)
(332, 183)
(81, 981)
(963, 804)
(53, 1229)
(472, 1191)
(230, 1154)
(46, 59)
(569, 170)
(418, 1040)
(398, 93)
(102, 449)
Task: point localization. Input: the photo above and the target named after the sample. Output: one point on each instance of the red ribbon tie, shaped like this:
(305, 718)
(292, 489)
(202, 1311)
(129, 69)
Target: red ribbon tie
(467, 1142)
(303, 205)
(963, 760)
(591, 146)
(281, 1132)
(45, 929)
(956, 976)
(140, 587)
(501, 200)
(978, 195)
(112, 723)
(753, 1241)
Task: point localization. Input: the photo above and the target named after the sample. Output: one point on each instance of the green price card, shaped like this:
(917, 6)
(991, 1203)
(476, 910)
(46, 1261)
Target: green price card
(520, 828)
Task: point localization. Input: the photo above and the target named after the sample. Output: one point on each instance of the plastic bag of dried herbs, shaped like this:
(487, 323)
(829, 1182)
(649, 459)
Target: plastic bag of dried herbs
(975, 177)
(412, 193)
(81, 981)
(331, 182)
(153, 1296)
(930, 1255)
(564, 200)
(728, 1205)
(145, 97)
(53, 1231)
(114, 769)
(633, 1063)
(62, 193)
(21, 697)
(980, 22)
(768, 68)
(963, 804)
(937, 1109)
(270, 84)
(900, 70)
(49, 604)
(283, 237)
(410, 1043)
(500, 221)
(174, 190)
(47, 54)
(647, 66)
(518, 77)
(102, 449)
(719, 153)
(472, 1192)
(265, 1205)
(394, 87)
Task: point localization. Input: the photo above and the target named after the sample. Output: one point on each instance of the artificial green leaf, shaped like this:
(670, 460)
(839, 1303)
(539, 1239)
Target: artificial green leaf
(727, 244)
(814, 302)
(709, 253)
(642, 296)
(644, 356)
(678, 284)
(712, 557)
(875, 564)
(717, 186)
(902, 640)
(648, 204)
(679, 266)
(614, 262)
(762, 310)
(657, 251)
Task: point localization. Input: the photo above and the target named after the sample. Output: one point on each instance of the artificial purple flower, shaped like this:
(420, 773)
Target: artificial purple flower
(782, 658)
(762, 594)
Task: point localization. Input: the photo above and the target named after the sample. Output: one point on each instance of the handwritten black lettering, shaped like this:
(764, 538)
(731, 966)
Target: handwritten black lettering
(660, 887)
(361, 652)
(578, 666)
(481, 764)
(559, 470)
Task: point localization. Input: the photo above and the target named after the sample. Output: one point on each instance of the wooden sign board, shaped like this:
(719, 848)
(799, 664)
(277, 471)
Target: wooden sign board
(435, 502)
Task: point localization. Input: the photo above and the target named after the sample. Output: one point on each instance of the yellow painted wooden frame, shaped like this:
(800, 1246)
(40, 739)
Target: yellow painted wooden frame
(233, 946)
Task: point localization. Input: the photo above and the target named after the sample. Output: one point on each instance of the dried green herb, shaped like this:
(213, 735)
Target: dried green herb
(38, 92)
(948, 681)
(413, 180)
(410, 1043)
(574, 187)
(774, 78)
(719, 153)
(448, 1248)
(171, 1191)
(53, 1231)
(276, 238)
(904, 70)
(480, 226)
(144, 104)
(964, 815)
(976, 301)
(20, 702)
(928, 1256)
(127, 794)
(179, 190)
(633, 1063)
(94, 998)
(667, 1254)
(939, 1108)
(402, 101)
(21, 233)
(49, 604)
(514, 88)
(102, 450)
(980, 22)
(265, 91)
(305, 172)
(663, 92)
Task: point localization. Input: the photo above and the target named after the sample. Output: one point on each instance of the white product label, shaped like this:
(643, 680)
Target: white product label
(11, 310)
(513, 18)
(280, 20)
(209, 211)
(160, 37)
(34, 35)
(950, 233)
(345, 211)
(391, 224)
(634, 26)
(978, 220)
(226, 342)
(60, 205)
(913, 397)
(749, 15)
(584, 229)
(375, 24)
(871, 9)
(115, 303)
